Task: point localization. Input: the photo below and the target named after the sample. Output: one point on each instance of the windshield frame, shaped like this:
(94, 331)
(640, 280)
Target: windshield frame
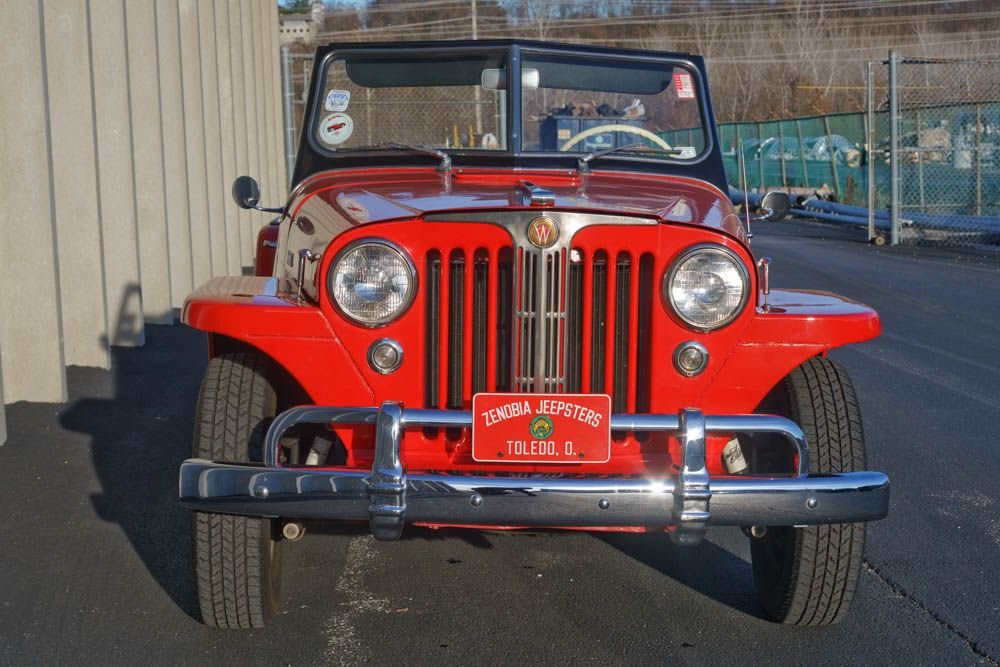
(313, 156)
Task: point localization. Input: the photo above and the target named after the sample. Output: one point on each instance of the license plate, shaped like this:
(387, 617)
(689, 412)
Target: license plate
(541, 428)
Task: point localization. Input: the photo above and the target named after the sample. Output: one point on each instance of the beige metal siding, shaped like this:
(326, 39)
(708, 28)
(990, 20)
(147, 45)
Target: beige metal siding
(124, 125)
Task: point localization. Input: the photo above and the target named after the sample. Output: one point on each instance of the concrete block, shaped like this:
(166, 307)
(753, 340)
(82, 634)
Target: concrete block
(31, 358)
(147, 146)
(116, 187)
(227, 136)
(175, 156)
(74, 183)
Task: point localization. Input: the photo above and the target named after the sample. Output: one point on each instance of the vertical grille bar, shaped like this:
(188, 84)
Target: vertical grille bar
(630, 339)
(504, 319)
(586, 323)
(644, 334)
(609, 331)
(468, 323)
(480, 315)
(445, 328)
(599, 303)
(432, 333)
(621, 306)
(529, 322)
(574, 324)
(456, 329)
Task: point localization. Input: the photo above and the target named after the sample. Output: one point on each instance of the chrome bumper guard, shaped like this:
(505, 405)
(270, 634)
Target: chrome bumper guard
(388, 496)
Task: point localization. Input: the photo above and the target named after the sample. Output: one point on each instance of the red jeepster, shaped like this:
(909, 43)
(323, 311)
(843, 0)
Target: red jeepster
(509, 291)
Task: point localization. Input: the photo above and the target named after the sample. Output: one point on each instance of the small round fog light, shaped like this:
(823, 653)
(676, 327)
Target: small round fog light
(385, 356)
(690, 358)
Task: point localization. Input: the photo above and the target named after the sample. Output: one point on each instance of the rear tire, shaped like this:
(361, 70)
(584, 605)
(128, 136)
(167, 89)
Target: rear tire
(807, 576)
(237, 559)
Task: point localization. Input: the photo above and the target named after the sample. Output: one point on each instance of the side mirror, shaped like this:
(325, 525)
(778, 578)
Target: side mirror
(774, 206)
(246, 192)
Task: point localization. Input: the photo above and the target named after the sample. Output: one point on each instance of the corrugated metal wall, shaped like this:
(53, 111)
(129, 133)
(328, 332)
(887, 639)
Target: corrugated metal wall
(124, 122)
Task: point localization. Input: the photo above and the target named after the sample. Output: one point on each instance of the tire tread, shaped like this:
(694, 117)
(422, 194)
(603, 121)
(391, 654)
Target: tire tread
(826, 559)
(232, 559)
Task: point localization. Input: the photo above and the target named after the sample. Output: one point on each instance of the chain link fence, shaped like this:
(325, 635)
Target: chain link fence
(934, 150)
(799, 155)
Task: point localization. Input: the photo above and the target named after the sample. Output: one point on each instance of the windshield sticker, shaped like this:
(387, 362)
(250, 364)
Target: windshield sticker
(337, 100)
(353, 207)
(684, 86)
(686, 152)
(336, 129)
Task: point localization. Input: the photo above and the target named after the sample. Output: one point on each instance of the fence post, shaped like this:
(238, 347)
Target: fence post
(781, 156)
(286, 84)
(920, 163)
(760, 159)
(979, 160)
(870, 149)
(894, 202)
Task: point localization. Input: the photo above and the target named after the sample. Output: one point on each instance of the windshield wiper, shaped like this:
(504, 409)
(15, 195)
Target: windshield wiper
(583, 163)
(445, 164)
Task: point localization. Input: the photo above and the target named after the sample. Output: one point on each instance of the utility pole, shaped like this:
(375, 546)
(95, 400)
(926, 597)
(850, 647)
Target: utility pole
(475, 35)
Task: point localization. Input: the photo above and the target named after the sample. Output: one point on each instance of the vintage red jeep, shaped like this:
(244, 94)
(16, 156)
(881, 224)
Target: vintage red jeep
(509, 291)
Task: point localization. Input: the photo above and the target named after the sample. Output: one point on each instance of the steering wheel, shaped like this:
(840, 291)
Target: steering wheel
(615, 127)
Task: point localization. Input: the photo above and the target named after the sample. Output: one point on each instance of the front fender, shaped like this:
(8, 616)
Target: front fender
(263, 313)
(797, 326)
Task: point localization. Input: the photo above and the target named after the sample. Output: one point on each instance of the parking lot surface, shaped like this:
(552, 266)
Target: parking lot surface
(94, 564)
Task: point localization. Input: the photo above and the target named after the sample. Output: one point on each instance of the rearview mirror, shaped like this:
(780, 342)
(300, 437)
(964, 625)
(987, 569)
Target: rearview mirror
(496, 79)
(246, 192)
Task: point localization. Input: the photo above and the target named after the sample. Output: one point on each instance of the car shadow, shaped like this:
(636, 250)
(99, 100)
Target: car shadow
(708, 568)
(139, 420)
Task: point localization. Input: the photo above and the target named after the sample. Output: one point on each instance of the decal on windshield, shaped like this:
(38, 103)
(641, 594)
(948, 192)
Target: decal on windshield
(336, 129)
(684, 86)
(337, 100)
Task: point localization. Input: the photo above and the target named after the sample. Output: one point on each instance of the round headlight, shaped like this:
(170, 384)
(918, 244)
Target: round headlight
(372, 282)
(707, 287)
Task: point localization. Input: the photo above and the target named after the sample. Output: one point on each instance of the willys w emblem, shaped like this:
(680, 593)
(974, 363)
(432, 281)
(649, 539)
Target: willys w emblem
(543, 232)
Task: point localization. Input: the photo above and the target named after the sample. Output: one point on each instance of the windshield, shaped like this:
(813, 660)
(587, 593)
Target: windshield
(598, 105)
(585, 105)
(419, 100)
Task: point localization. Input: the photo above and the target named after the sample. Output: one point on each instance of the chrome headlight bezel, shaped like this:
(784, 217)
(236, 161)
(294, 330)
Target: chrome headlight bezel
(666, 286)
(407, 299)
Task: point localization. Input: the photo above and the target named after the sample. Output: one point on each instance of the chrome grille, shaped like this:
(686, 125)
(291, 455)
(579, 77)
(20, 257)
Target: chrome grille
(524, 319)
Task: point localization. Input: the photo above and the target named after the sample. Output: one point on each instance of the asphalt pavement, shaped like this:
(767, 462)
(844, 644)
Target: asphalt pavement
(95, 551)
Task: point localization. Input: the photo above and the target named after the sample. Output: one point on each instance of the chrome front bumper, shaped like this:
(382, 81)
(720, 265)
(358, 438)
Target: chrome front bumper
(388, 496)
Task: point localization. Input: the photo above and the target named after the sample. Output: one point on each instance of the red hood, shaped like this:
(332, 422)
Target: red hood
(375, 195)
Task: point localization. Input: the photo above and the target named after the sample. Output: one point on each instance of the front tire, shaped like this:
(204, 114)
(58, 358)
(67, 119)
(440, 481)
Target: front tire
(237, 559)
(807, 576)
